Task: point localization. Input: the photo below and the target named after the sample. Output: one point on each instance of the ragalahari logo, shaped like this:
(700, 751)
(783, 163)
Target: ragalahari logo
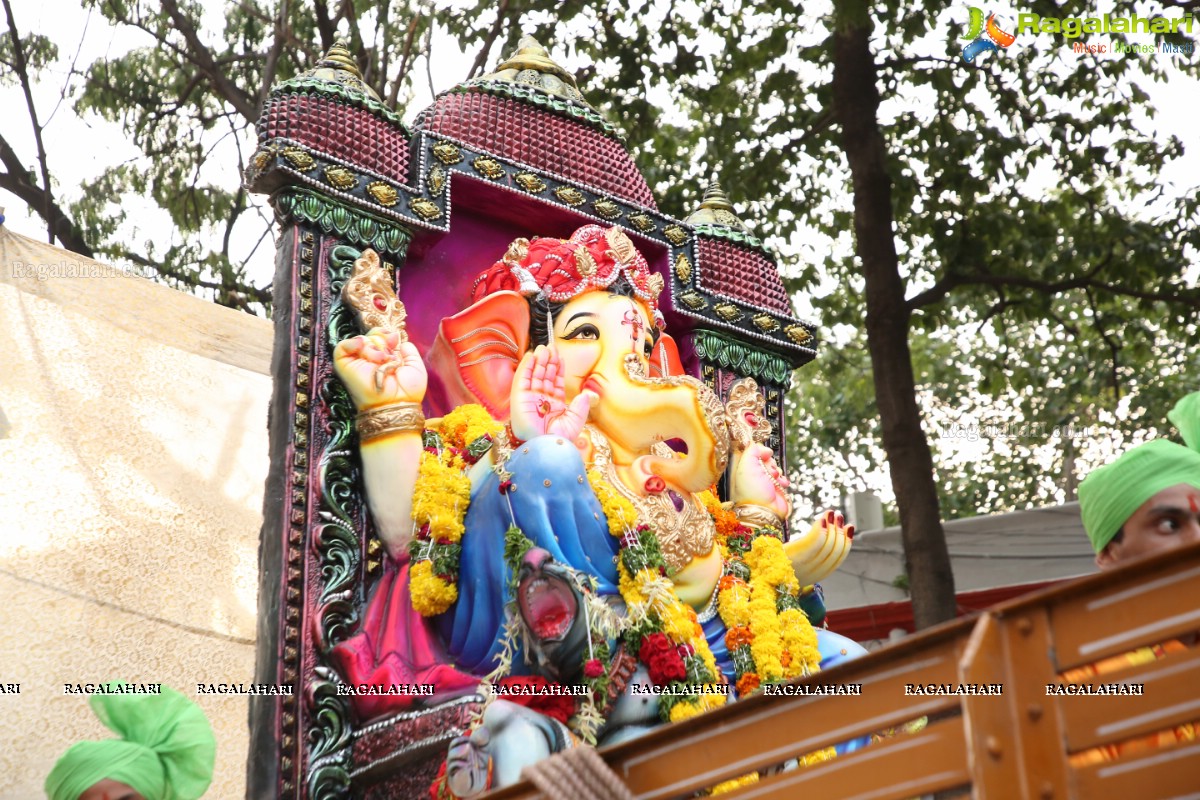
(984, 36)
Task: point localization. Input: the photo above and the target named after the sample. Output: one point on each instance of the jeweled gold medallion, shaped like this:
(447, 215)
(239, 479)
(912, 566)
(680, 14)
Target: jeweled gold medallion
(765, 322)
(447, 153)
(569, 195)
(299, 159)
(425, 209)
(675, 235)
(341, 178)
(530, 182)
(607, 208)
(797, 333)
(437, 180)
(488, 167)
(683, 268)
(642, 222)
(727, 312)
(262, 158)
(384, 195)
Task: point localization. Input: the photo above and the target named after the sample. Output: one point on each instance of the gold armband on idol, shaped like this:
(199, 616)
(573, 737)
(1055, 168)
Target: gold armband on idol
(383, 421)
(755, 516)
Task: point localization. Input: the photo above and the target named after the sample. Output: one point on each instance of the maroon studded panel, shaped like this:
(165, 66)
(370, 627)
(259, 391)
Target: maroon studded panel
(741, 274)
(340, 130)
(540, 139)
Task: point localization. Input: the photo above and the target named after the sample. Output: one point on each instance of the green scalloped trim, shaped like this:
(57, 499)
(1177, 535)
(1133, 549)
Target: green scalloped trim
(741, 358)
(735, 236)
(358, 99)
(351, 224)
(558, 105)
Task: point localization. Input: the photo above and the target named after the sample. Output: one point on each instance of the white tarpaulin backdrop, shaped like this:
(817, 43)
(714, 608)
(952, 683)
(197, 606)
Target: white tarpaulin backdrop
(133, 450)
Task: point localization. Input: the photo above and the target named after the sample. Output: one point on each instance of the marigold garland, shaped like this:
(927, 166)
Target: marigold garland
(440, 499)
(431, 594)
(768, 636)
(665, 632)
(734, 783)
(618, 511)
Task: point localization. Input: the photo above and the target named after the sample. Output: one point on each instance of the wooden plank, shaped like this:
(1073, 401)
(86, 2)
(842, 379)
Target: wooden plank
(1015, 746)
(901, 767)
(1171, 698)
(1133, 613)
(1087, 586)
(1166, 772)
(771, 730)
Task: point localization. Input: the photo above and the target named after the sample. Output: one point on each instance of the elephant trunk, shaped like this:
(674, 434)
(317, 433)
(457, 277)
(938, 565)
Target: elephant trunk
(672, 409)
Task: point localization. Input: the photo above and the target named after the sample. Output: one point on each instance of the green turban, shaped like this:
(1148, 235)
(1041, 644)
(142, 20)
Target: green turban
(1110, 494)
(166, 750)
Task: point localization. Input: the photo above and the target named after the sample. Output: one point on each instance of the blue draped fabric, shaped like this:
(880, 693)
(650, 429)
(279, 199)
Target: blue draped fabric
(555, 507)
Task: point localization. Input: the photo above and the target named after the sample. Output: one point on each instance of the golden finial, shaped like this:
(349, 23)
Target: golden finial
(715, 209)
(339, 57)
(531, 55)
(532, 66)
(338, 66)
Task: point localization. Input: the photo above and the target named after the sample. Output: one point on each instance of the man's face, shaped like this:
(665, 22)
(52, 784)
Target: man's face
(1167, 520)
(108, 789)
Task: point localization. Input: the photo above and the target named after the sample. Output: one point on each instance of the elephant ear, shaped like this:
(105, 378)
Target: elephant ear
(665, 361)
(478, 349)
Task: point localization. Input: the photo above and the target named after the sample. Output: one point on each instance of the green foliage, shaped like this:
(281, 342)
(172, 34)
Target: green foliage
(39, 50)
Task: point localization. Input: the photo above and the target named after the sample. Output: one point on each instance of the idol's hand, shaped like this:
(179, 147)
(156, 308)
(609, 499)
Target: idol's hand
(757, 480)
(378, 369)
(816, 554)
(539, 400)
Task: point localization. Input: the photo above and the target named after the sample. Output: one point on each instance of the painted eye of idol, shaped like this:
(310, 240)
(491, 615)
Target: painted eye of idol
(584, 331)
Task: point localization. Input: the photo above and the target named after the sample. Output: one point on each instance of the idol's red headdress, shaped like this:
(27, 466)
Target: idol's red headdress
(564, 268)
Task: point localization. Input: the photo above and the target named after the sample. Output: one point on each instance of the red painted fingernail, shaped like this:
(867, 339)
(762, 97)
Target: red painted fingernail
(829, 516)
(850, 532)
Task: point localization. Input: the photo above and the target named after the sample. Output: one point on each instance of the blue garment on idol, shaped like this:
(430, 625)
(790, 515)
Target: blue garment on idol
(554, 505)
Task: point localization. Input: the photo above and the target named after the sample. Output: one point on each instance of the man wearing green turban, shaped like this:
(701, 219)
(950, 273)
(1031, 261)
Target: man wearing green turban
(165, 751)
(1148, 500)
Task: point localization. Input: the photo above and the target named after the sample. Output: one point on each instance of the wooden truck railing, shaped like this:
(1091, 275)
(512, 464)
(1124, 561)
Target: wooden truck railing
(1016, 745)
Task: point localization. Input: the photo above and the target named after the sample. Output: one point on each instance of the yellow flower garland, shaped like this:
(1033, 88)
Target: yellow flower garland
(648, 592)
(620, 513)
(735, 783)
(782, 644)
(800, 642)
(430, 594)
(440, 499)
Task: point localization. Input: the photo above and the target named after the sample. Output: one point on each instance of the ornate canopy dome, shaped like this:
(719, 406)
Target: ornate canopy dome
(530, 111)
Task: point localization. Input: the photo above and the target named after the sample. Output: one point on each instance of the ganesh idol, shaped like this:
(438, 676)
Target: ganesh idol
(561, 526)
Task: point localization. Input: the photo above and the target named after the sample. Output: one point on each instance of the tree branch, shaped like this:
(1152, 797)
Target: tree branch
(939, 290)
(404, 61)
(272, 63)
(481, 59)
(22, 67)
(1114, 347)
(18, 181)
(200, 56)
